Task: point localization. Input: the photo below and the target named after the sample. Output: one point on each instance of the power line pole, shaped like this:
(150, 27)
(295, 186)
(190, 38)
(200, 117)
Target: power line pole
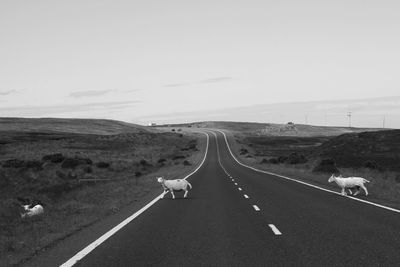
(384, 121)
(349, 115)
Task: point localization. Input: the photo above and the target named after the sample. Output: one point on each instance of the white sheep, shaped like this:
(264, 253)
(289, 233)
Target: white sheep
(174, 185)
(350, 183)
(36, 210)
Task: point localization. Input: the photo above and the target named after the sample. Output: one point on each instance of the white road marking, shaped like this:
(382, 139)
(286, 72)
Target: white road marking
(246, 196)
(274, 229)
(81, 254)
(256, 207)
(236, 183)
(240, 189)
(304, 183)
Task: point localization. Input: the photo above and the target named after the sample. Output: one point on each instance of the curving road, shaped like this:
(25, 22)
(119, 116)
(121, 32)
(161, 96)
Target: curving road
(235, 216)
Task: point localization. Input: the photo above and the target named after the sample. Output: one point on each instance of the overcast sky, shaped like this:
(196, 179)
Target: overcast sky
(131, 59)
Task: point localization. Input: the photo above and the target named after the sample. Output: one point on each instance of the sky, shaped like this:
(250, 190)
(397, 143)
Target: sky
(136, 60)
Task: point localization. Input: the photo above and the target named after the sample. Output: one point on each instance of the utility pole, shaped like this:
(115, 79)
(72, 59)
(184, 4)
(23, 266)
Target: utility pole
(349, 115)
(384, 120)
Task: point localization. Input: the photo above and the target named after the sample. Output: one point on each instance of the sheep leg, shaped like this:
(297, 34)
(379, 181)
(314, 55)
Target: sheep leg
(186, 192)
(344, 192)
(357, 192)
(365, 189)
(172, 193)
(350, 191)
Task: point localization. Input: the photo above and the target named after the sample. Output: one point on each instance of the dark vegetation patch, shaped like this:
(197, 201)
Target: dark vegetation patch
(380, 148)
(51, 167)
(326, 166)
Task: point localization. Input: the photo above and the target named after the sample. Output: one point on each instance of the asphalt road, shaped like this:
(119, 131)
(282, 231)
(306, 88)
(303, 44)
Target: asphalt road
(219, 226)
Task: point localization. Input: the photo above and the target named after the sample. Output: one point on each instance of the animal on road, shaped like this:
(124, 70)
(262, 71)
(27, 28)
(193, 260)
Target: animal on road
(350, 183)
(29, 212)
(174, 185)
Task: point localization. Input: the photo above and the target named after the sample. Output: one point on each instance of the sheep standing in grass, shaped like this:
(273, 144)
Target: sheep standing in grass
(174, 185)
(350, 183)
(36, 210)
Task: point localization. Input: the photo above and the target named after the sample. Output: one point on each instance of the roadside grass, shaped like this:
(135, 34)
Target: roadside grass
(72, 205)
(384, 186)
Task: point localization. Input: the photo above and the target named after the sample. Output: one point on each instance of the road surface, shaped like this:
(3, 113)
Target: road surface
(235, 216)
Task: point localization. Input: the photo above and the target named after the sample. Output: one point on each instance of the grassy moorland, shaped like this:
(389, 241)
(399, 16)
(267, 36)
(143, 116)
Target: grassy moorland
(299, 151)
(81, 171)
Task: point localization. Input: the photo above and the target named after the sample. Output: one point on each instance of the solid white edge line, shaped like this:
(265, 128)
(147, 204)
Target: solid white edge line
(81, 254)
(304, 183)
(256, 207)
(246, 196)
(274, 229)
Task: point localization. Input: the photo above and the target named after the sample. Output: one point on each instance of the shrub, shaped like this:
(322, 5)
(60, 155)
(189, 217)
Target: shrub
(138, 174)
(326, 166)
(371, 165)
(88, 169)
(34, 164)
(144, 163)
(186, 163)
(102, 165)
(282, 159)
(243, 151)
(54, 158)
(61, 174)
(161, 161)
(296, 158)
(13, 163)
(178, 157)
(70, 163)
(264, 161)
(273, 161)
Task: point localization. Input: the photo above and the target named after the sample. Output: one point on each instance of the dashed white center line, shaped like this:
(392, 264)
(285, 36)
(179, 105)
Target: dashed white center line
(236, 184)
(240, 189)
(256, 207)
(274, 229)
(246, 196)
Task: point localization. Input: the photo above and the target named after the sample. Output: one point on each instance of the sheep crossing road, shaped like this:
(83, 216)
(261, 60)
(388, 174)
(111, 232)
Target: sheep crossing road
(269, 222)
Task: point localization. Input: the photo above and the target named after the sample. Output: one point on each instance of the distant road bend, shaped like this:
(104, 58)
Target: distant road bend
(235, 216)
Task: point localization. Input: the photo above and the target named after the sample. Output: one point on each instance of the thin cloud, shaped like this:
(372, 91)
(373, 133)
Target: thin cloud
(90, 93)
(216, 80)
(176, 85)
(9, 92)
(49, 110)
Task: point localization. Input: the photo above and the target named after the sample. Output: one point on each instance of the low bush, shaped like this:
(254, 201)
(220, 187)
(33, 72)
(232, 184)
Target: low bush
(187, 163)
(326, 166)
(243, 151)
(161, 161)
(54, 158)
(71, 163)
(273, 161)
(295, 158)
(178, 157)
(13, 163)
(371, 165)
(102, 165)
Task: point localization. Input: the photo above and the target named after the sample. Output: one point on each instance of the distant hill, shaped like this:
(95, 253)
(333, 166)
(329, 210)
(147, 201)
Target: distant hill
(273, 129)
(79, 126)
(356, 149)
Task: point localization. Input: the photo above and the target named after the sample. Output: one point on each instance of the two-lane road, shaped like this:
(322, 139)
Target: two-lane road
(235, 216)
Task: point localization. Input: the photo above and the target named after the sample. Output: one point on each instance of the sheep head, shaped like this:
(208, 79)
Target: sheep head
(332, 178)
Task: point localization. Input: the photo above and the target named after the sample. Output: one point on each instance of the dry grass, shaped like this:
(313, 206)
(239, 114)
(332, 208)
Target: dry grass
(71, 205)
(384, 187)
